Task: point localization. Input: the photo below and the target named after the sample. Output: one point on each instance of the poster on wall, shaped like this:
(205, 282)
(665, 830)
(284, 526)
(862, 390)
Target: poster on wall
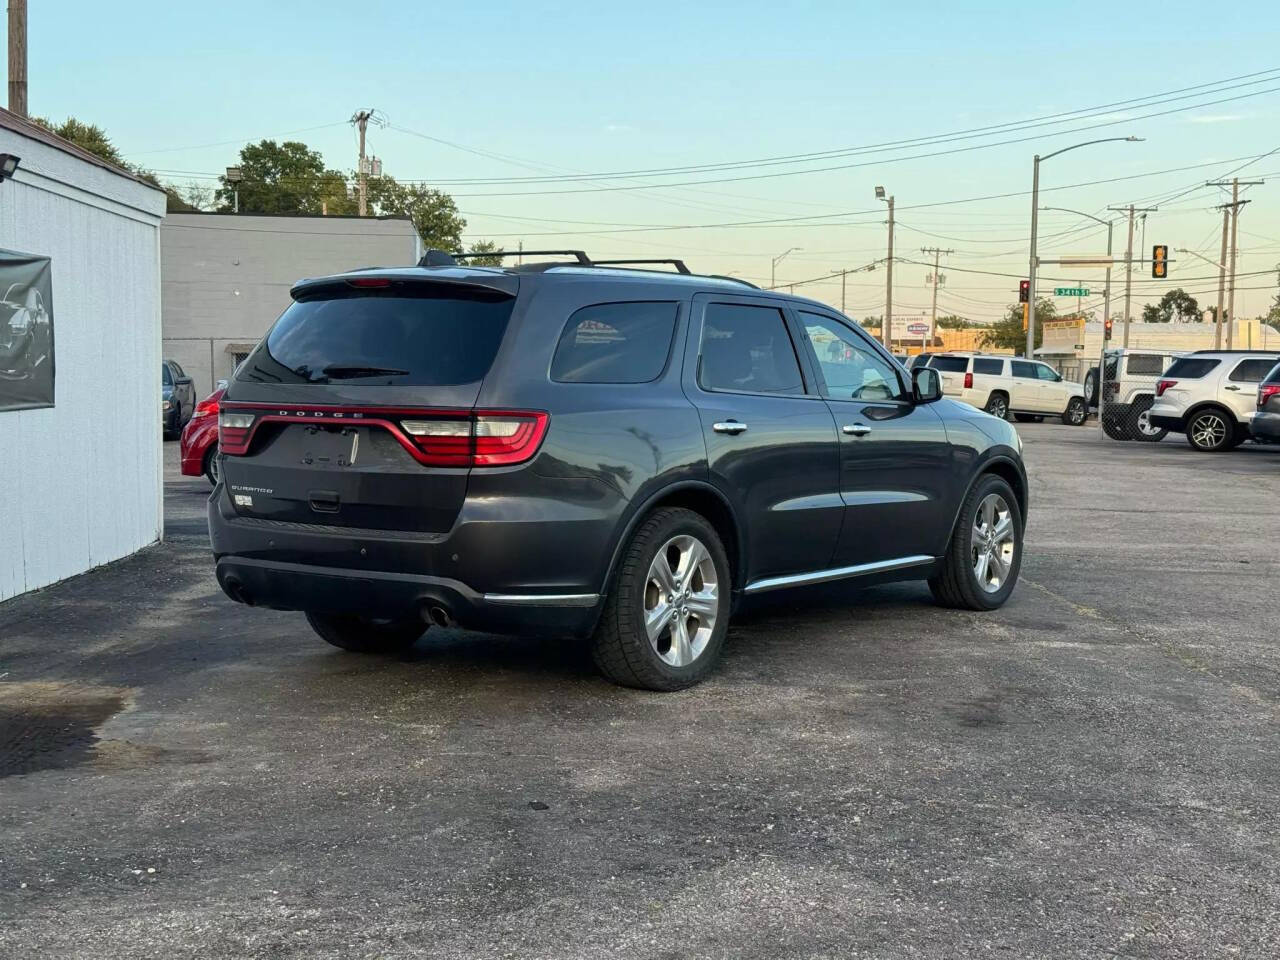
(26, 331)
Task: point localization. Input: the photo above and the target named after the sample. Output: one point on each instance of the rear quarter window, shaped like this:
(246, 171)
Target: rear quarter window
(950, 364)
(1145, 364)
(615, 343)
(1190, 368)
(1274, 375)
(1252, 370)
(989, 366)
(411, 334)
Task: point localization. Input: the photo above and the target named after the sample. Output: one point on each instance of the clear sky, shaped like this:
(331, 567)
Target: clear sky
(538, 89)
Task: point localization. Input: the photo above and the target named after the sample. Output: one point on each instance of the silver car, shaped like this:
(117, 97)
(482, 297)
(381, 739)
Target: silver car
(1211, 395)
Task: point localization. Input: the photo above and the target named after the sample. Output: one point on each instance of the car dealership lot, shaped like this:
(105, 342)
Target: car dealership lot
(1093, 770)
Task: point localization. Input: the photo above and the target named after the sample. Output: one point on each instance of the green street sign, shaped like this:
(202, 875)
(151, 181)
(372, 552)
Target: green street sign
(1070, 291)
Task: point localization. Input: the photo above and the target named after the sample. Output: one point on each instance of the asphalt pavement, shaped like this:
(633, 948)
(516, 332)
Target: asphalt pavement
(1092, 771)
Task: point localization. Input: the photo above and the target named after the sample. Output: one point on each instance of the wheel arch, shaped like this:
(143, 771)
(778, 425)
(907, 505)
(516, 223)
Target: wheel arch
(1204, 405)
(1005, 467)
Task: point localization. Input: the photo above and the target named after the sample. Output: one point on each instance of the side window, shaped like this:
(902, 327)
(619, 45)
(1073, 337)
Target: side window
(988, 365)
(1252, 370)
(615, 343)
(748, 349)
(950, 364)
(1145, 364)
(166, 375)
(1023, 369)
(1046, 372)
(850, 368)
(177, 368)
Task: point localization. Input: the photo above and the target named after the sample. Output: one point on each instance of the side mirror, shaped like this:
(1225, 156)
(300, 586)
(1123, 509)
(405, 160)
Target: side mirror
(926, 385)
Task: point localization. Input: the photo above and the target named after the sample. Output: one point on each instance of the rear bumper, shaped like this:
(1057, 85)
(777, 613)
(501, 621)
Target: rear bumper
(1165, 422)
(197, 437)
(1265, 425)
(536, 575)
(372, 593)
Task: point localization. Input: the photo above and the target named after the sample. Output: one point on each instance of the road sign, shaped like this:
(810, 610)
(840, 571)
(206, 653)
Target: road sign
(917, 329)
(1070, 291)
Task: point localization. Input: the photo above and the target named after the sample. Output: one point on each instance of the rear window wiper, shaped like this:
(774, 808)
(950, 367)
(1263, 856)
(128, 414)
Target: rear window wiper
(339, 372)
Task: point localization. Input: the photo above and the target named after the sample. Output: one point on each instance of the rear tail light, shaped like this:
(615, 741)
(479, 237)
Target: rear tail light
(234, 431)
(1266, 392)
(489, 439)
(462, 438)
(1164, 385)
(968, 381)
(205, 408)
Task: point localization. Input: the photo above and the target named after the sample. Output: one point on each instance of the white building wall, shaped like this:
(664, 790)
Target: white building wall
(81, 482)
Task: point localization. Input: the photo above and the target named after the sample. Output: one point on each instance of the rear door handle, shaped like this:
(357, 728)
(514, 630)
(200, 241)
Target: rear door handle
(856, 429)
(729, 426)
(1231, 386)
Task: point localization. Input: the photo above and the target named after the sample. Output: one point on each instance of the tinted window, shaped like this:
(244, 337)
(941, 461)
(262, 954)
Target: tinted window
(615, 343)
(1253, 369)
(1190, 368)
(166, 375)
(1023, 369)
(950, 364)
(987, 365)
(1046, 373)
(747, 348)
(851, 369)
(1274, 375)
(1145, 364)
(410, 334)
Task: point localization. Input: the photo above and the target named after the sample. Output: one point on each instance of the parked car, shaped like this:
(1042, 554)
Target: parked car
(1265, 424)
(199, 441)
(1001, 386)
(177, 398)
(1211, 395)
(1130, 390)
(603, 452)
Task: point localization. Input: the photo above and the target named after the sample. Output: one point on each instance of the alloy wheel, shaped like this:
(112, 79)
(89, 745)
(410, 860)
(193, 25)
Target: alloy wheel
(681, 600)
(998, 408)
(1208, 431)
(1077, 413)
(1145, 427)
(993, 543)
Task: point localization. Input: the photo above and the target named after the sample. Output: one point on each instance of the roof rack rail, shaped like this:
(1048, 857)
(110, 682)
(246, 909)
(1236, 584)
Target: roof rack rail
(721, 276)
(678, 264)
(1236, 350)
(579, 255)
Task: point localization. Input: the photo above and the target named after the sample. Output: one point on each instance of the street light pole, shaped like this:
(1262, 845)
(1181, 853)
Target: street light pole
(886, 326)
(1035, 205)
(773, 267)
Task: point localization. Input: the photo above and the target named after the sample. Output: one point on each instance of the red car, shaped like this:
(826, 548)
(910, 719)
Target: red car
(199, 443)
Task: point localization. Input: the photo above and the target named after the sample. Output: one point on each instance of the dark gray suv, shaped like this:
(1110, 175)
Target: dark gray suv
(595, 450)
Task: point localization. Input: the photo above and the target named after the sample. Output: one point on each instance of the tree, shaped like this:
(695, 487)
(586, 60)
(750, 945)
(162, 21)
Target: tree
(1007, 333)
(87, 136)
(953, 322)
(433, 213)
(871, 323)
(484, 246)
(1175, 305)
(286, 177)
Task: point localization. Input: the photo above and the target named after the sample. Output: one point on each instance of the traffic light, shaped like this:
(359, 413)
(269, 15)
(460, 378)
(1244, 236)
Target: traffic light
(1024, 291)
(1159, 261)
(1106, 329)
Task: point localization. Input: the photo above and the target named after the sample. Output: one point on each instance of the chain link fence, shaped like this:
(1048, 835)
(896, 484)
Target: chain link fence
(1122, 390)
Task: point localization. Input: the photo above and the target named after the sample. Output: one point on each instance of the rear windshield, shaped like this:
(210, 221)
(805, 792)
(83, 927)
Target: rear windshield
(411, 335)
(950, 364)
(988, 366)
(1190, 368)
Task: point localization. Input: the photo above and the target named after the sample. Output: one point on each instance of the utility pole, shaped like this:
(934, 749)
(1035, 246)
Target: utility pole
(937, 254)
(1234, 206)
(1222, 281)
(1128, 261)
(886, 335)
(18, 57)
(361, 120)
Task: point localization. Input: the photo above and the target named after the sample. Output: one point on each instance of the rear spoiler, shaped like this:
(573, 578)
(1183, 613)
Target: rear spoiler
(504, 283)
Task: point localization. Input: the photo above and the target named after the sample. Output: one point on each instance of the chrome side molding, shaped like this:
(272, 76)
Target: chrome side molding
(836, 573)
(544, 599)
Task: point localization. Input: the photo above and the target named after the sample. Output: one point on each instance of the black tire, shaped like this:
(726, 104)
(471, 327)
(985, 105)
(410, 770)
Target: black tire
(956, 585)
(621, 646)
(1076, 413)
(1028, 418)
(1114, 429)
(1141, 406)
(998, 405)
(1091, 387)
(1211, 430)
(363, 635)
(211, 466)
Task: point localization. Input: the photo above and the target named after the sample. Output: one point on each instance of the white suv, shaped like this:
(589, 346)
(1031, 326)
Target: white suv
(1028, 389)
(1211, 395)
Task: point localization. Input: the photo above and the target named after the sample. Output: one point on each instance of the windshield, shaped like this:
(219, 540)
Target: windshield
(411, 334)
